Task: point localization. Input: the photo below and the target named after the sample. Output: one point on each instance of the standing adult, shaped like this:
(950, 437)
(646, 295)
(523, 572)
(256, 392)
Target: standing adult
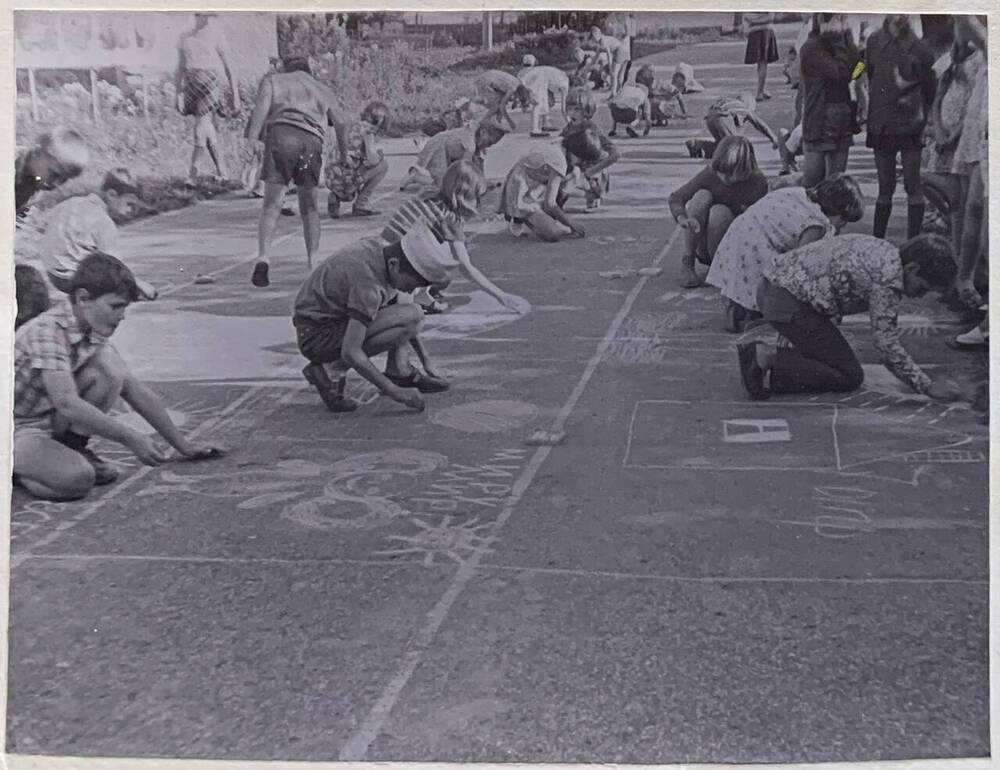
(198, 89)
(903, 85)
(290, 116)
(828, 59)
(762, 47)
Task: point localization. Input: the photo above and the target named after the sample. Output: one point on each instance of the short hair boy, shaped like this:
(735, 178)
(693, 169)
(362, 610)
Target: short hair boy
(346, 311)
(68, 376)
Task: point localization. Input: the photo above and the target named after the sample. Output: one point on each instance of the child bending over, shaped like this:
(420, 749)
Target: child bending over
(356, 167)
(68, 376)
(529, 199)
(347, 311)
(445, 212)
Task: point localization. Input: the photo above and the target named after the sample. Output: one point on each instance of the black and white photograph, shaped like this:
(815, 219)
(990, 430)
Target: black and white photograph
(549, 386)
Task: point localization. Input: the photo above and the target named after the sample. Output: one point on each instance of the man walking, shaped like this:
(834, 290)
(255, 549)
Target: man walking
(290, 116)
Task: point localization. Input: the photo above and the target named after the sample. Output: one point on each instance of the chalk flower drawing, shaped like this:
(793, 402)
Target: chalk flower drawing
(453, 539)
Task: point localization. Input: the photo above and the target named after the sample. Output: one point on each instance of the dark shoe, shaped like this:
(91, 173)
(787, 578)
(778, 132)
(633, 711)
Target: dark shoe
(333, 208)
(419, 380)
(735, 317)
(613, 132)
(631, 132)
(692, 147)
(539, 134)
(645, 131)
(259, 277)
(435, 307)
(287, 211)
(751, 373)
(361, 211)
(104, 472)
(333, 396)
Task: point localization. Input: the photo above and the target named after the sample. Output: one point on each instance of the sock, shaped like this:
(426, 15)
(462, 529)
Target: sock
(914, 219)
(882, 212)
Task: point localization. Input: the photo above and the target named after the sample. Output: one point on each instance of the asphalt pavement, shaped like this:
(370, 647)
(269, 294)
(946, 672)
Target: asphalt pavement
(687, 577)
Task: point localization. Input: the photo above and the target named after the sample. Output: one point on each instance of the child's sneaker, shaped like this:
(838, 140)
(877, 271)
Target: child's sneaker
(259, 277)
(693, 148)
(631, 132)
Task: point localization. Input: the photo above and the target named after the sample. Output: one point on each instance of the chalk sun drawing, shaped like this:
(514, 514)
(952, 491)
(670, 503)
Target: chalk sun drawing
(450, 538)
(361, 490)
(485, 416)
(481, 314)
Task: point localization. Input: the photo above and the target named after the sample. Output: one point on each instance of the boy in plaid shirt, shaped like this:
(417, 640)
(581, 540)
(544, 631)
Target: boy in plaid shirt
(68, 376)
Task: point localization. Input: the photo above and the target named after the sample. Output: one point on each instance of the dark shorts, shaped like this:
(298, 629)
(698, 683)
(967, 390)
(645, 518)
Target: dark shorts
(895, 142)
(761, 46)
(320, 343)
(292, 153)
(624, 114)
(201, 92)
(837, 130)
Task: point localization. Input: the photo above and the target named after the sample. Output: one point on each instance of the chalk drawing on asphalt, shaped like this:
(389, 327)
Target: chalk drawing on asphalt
(827, 438)
(363, 491)
(485, 416)
(453, 539)
(33, 515)
(482, 313)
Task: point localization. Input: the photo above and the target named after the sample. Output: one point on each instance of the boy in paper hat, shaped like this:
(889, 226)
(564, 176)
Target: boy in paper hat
(346, 312)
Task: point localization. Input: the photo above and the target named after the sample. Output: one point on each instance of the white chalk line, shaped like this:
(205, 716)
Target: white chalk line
(567, 571)
(90, 509)
(358, 743)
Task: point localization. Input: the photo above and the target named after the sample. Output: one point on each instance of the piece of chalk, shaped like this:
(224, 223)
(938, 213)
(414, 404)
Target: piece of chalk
(650, 270)
(545, 438)
(616, 274)
(202, 279)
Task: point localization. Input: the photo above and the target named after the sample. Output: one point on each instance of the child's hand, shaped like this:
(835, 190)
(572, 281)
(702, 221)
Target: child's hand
(407, 397)
(691, 225)
(202, 452)
(453, 230)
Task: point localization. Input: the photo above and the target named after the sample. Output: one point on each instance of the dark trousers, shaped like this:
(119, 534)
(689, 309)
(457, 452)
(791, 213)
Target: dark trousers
(821, 360)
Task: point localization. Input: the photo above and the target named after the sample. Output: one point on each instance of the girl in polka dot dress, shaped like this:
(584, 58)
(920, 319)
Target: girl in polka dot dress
(779, 222)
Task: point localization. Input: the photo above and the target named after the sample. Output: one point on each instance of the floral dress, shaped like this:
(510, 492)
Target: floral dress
(771, 226)
(347, 161)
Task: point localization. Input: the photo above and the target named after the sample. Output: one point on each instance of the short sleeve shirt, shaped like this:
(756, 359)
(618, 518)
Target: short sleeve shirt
(53, 341)
(499, 81)
(445, 148)
(352, 283)
(75, 228)
(632, 95)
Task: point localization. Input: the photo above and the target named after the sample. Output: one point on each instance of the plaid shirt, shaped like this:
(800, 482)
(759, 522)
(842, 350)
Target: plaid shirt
(52, 341)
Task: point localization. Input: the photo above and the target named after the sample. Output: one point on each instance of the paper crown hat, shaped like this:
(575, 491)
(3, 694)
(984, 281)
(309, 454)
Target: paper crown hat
(429, 257)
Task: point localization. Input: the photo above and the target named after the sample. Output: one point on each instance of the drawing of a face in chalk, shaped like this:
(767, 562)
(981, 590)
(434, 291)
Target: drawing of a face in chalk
(362, 491)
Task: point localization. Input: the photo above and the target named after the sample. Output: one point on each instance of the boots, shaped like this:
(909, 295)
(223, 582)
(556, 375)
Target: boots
(882, 213)
(914, 219)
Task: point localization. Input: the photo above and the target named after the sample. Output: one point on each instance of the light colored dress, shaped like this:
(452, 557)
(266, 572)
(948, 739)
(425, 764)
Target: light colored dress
(526, 184)
(973, 144)
(953, 106)
(771, 226)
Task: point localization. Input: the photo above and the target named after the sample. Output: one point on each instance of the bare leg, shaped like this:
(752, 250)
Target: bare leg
(761, 78)
(309, 210)
(391, 331)
(719, 219)
(212, 145)
(274, 193)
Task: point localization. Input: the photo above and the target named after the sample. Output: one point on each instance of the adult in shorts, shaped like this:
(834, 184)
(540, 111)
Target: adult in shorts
(290, 116)
(199, 92)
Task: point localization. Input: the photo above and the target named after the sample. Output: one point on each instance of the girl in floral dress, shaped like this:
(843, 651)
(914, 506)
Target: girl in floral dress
(355, 166)
(779, 222)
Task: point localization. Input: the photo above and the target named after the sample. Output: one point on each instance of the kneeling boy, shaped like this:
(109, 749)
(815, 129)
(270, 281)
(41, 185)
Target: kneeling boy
(68, 376)
(346, 311)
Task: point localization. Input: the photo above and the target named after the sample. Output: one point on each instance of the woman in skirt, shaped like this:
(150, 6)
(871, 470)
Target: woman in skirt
(762, 48)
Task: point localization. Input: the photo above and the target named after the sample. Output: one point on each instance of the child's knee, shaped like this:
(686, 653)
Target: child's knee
(412, 316)
(699, 204)
(720, 216)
